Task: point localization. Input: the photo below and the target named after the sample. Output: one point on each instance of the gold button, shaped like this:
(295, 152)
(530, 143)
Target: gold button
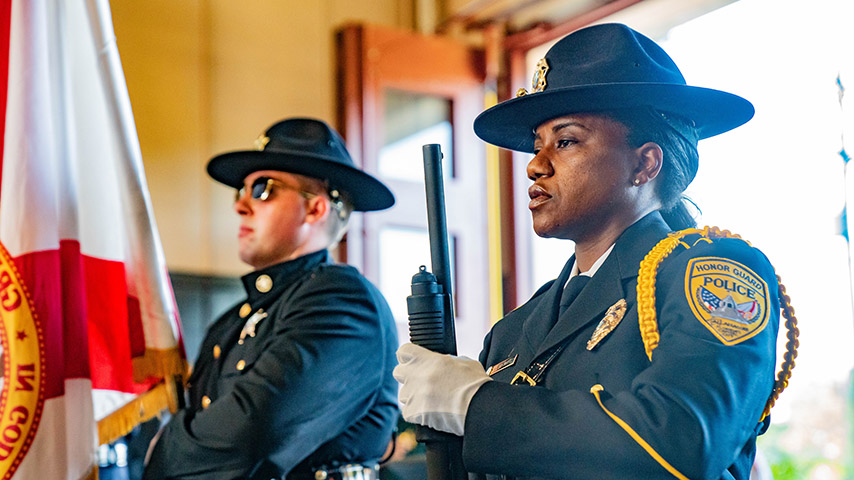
(264, 283)
(245, 310)
(217, 351)
(206, 400)
(241, 365)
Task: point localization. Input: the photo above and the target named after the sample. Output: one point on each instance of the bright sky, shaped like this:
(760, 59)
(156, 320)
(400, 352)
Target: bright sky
(779, 180)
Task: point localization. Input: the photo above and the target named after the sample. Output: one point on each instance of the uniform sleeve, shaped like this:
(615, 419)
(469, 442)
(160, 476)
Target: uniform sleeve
(695, 405)
(319, 373)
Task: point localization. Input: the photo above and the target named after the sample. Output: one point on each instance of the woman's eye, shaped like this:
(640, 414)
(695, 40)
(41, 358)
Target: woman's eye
(562, 143)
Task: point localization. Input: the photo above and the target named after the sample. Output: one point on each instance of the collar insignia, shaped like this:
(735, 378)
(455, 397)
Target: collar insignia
(264, 283)
(507, 362)
(608, 323)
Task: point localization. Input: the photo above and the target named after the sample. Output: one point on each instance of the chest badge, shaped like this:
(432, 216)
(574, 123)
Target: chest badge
(249, 326)
(608, 323)
(507, 362)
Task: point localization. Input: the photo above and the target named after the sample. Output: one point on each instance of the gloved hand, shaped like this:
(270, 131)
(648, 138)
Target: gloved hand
(436, 389)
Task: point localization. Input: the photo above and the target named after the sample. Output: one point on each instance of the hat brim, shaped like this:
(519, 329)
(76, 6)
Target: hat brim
(511, 124)
(364, 192)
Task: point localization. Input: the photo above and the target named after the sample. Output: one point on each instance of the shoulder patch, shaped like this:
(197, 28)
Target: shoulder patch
(727, 298)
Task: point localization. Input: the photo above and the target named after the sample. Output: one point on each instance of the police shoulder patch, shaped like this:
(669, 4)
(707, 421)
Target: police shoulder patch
(728, 298)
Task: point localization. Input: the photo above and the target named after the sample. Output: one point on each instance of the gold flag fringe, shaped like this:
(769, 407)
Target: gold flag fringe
(159, 364)
(167, 364)
(142, 408)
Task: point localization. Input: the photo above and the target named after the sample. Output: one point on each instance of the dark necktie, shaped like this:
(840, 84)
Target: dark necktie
(572, 289)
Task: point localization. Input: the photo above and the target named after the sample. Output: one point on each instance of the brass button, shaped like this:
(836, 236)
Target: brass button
(320, 475)
(264, 283)
(245, 310)
(217, 351)
(241, 365)
(206, 400)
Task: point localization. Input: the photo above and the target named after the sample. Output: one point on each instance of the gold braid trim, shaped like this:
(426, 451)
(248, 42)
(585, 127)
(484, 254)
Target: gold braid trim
(646, 303)
(791, 352)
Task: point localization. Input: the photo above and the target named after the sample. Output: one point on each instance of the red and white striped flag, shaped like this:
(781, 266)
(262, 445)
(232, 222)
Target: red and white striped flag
(86, 307)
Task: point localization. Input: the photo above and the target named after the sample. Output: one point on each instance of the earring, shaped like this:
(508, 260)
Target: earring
(636, 182)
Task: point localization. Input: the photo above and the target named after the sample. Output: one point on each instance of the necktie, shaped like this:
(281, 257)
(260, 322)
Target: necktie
(572, 289)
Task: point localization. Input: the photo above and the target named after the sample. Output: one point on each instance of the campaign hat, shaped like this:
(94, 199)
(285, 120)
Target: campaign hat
(309, 147)
(603, 68)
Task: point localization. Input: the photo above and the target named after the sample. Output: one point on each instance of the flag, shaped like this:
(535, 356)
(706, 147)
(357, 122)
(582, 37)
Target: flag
(89, 329)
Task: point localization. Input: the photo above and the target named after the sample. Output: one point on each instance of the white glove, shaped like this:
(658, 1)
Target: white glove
(436, 389)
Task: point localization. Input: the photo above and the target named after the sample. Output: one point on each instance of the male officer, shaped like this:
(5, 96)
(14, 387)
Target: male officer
(294, 382)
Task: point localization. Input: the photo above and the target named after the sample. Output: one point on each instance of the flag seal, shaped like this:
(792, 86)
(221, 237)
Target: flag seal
(23, 383)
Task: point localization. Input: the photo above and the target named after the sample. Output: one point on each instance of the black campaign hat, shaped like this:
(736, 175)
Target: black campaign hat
(607, 67)
(309, 147)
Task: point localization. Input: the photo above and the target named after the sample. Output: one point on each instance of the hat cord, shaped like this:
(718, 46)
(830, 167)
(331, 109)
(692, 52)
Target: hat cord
(646, 304)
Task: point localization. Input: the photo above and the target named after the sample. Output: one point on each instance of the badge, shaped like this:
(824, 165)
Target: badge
(728, 298)
(249, 326)
(261, 142)
(507, 362)
(538, 83)
(608, 323)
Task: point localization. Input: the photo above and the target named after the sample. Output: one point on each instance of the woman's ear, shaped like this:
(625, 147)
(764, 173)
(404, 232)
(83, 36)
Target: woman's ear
(650, 158)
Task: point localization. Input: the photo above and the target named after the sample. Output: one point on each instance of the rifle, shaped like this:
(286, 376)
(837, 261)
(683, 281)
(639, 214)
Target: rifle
(431, 315)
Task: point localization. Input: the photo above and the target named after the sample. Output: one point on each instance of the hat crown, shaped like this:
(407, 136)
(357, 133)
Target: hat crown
(308, 147)
(308, 137)
(604, 68)
(608, 54)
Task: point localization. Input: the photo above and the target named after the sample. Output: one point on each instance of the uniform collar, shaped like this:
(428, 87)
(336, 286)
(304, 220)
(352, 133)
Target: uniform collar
(606, 287)
(261, 283)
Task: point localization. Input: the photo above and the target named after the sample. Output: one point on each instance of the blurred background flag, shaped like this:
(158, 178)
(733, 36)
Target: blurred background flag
(90, 328)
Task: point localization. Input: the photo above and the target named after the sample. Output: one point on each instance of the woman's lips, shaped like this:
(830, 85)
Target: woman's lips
(538, 196)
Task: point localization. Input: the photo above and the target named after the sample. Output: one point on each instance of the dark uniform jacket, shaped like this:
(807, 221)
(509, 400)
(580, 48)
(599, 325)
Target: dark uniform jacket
(696, 405)
(313, 387)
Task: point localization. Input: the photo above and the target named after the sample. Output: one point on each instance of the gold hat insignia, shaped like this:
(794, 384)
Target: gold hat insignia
(538, 83)
(261, 142)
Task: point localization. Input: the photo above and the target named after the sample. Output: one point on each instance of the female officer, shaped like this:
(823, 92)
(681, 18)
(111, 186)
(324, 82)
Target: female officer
(652, 355)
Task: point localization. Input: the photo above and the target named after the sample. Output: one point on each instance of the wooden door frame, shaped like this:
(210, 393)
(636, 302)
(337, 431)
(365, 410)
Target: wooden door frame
(373, 59)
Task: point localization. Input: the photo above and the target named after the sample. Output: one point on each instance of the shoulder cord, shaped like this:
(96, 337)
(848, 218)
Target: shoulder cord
(646, 304)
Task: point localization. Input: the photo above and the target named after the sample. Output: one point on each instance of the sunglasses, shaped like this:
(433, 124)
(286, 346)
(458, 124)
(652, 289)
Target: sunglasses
(262, 186)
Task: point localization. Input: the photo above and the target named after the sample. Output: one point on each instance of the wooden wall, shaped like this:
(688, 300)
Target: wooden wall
(209, 76)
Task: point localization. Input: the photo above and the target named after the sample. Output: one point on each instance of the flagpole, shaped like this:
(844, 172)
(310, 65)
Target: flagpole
(146, 272)
(138, 209)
